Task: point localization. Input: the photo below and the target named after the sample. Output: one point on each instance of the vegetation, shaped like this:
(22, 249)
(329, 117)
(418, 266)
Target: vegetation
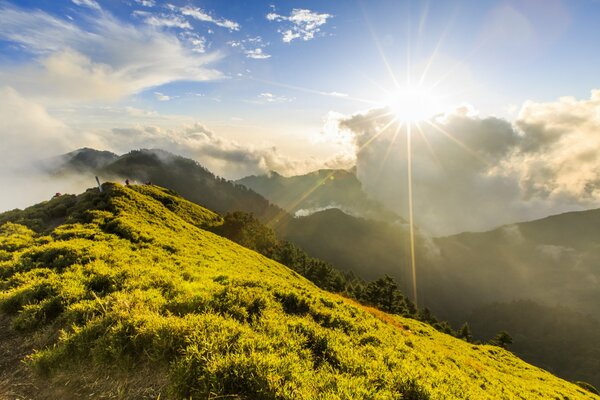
(574, 338)
(552, 260)
(125, 287)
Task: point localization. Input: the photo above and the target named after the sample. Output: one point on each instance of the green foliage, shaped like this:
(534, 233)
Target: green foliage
(588, 387)
(502, 339)
(214, 319)
(465, 332)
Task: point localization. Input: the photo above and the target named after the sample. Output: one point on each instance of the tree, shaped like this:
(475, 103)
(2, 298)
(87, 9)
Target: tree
(465, 333)
(384, 294)
(502, 339)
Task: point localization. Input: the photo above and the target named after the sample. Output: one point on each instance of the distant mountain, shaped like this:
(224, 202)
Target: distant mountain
(81, 159)
(554, 260)
(185, 176)
(123, 293)
(319, 190)
(365, 247)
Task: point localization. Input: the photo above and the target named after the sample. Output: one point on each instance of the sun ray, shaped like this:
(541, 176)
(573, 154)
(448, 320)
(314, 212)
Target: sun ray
(428, 145)
(410, 214)
(275, 220)
(389, 150)
(313, 91)
(457, 142)
(375, 136)
(377, 45)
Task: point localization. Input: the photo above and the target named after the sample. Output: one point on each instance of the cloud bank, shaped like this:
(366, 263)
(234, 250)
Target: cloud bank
(30, 134)
(474, 173)
(106, 60)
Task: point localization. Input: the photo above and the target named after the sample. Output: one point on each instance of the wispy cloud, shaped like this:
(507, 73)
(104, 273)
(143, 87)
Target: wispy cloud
(87, 3)
(146, 3)
(257, 54)
(267, 97)
(196, 42)
(161, 96)
(101, 58)
(168, 21)
(303, 24)
(202, 15)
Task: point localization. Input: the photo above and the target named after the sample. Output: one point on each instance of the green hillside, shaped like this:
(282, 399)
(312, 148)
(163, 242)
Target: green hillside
(122, 294)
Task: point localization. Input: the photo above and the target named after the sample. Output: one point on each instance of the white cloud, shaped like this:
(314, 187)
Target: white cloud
(196, 42)
(201, 15)
(168, 21)
(161, 97)
(27, 130)
(87, 3)
(106, 60)
(336, 94)
(29, 134)
(257, 54)
(146, 3)
(267, 97)
(305, 24)
(474, 173)
(223, 156)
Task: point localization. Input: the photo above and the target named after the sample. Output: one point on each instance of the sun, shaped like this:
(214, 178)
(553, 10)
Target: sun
(413, 104)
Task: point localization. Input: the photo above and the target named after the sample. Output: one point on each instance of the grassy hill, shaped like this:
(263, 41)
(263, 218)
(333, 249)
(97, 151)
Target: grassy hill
(123, 294)
(162, 168)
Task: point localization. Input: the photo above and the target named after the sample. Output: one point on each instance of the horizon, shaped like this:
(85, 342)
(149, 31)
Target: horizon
(501, 96)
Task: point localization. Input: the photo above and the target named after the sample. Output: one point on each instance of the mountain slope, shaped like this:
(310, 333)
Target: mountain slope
(573, 338)
(183, 175)
(365, 247)
(554, 260)
(122, 294)
(318, 190)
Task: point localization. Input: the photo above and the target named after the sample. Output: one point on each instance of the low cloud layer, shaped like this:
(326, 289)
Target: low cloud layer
(474, 173)
(30, 134)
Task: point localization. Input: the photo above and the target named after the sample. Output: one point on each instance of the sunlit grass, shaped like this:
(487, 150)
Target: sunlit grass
(129, 278)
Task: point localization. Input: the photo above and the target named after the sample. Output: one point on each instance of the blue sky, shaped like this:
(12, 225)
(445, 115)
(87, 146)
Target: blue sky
(507, 52)
(245, 87)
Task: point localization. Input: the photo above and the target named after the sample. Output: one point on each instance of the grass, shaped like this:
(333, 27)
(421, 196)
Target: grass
(128, 284)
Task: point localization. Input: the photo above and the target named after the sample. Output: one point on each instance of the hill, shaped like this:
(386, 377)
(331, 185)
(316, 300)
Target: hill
(124, 294)
(365, 247)
(319, 190)
(554, 261)
(183, 175)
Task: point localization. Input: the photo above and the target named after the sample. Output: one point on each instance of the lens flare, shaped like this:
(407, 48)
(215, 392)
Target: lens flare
(412, 105)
